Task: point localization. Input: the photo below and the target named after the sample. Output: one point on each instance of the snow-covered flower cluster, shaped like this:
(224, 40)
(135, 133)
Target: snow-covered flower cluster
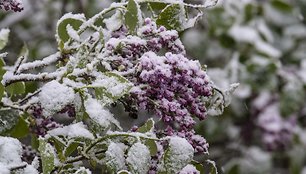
(14, 5)
(125, 61)
(174, 87)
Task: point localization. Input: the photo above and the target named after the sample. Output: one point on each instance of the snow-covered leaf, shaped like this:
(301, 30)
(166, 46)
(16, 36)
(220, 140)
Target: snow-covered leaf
(72, 131)
(54, 96)
(109, 87)
(114, 22)
(133, 16)
(213, 169)
(178, 155)
(47, 154)
(83, 170)
(114, 157)
(4, 34)
(138, 158)
(74, 20)
(100, 116)
(172, 17)
(221, 100)
(10, 151)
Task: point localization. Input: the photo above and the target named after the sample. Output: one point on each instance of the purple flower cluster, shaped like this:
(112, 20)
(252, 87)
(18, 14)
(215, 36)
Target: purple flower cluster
(277, 133)
(14, 5)
(41, 124)
(174, 87)
(126, 49)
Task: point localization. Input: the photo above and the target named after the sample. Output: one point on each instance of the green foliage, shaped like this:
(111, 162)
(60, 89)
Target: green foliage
(8, 119)
(133, 16)
(16, 88)
(171, 17)
(47, 156)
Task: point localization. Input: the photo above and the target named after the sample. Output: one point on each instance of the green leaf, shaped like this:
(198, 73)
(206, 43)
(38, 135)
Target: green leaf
(172, 17)
(72, 146)
(198, 166)
(132, 16)
(157, 5)
(21, 129)
(213, 169)
(234, 169)
(147, 127)
(16, 88)
(282, 5)
(152, 147)
(47, 156)
(74, 20)
(177, 155)
(8, 119)
(59, 145)
(4, 34)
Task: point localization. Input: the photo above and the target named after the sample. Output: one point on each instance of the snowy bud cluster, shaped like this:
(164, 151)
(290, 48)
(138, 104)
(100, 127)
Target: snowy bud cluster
(171, 85)
(277, 132)
(174, 86)
(14, 5)
(126, 49)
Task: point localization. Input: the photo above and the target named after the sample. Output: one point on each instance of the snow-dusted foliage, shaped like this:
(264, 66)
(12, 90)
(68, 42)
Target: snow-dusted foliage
(261, 45)
(129, 55)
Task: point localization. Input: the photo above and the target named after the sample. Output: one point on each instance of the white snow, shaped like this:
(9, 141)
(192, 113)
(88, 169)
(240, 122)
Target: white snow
(4, 169)
(30, 169)
(250, 35)
(72, 131)
(83, 170)
(112, 85)
(4, 34)
(180, 153)
(54, 96)
(138, 158)
(80, 17)
(114, 156)
(99, 114)
(39, 63)
(73, 33)
(10, 154)
(189, 169)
